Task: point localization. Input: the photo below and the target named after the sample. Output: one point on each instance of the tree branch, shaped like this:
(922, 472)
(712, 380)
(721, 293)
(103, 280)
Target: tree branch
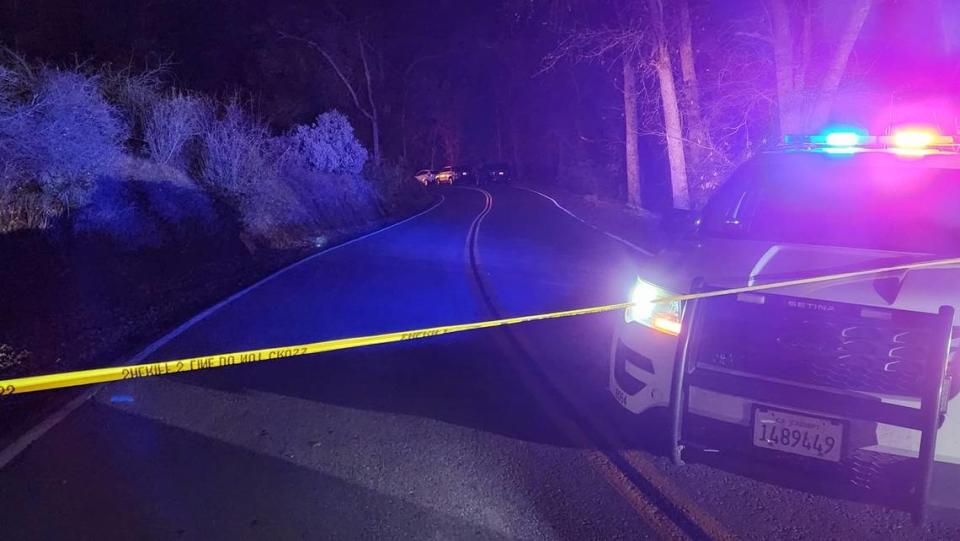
(346, 82)
(755, 35)
(366, 73)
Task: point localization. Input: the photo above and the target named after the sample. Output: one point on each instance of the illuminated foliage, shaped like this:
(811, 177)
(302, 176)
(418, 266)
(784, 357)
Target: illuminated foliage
(328, 145)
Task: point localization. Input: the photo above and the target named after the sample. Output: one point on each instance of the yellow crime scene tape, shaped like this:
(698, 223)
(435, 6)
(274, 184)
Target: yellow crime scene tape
(60, 380)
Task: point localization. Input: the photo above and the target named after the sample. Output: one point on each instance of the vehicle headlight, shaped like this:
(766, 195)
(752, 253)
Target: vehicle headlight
(660, 316)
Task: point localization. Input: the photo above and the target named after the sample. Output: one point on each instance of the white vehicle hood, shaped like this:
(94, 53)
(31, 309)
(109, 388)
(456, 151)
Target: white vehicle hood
(735, 263)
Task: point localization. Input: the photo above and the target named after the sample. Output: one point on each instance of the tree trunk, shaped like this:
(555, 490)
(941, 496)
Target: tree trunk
(788, 99)
(433, 148)
(838, 65)
(630, 124)
(806, 46)
(673, 128)
(693, 120)
(403, 129)
(371, 110)
(499, 114)
(518, 164)
(375, 127)
(672, 124)
(372, 114)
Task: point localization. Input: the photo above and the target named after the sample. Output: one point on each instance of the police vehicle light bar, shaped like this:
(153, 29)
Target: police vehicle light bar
(907, 141)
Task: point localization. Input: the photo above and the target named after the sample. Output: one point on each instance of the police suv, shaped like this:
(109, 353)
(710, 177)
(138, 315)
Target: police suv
(851, 381)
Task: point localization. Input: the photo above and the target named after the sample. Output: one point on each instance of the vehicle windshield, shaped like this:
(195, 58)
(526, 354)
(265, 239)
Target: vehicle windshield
(871, 200)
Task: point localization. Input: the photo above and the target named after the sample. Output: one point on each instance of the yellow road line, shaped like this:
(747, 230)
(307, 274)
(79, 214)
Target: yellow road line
(699, 516)
(651, 514)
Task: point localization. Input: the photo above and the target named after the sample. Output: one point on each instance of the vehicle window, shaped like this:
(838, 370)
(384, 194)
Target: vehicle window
(867, 201)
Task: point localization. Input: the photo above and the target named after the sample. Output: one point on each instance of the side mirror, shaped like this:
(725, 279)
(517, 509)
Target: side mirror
(679, 223)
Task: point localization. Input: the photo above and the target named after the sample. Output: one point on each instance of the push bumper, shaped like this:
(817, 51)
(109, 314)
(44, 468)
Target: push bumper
(809, 377)
(642, 365)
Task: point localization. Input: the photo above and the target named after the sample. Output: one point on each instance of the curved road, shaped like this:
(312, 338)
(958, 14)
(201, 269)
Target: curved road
(490, 434)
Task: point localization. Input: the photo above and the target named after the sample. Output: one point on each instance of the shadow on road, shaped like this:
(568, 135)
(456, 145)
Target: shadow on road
(197, 488)
(464, 380)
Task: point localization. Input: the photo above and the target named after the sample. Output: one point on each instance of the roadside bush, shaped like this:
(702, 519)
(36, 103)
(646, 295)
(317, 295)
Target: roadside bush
(393, 186)
(235, 154)
(18, 81)
(332, 201)
(75, 135)
(274, 216)
(241, 164)
(25, 207)
(116, 154)
(23, 203)
(323, 164)
(134, 94)
(171, 124)
(55, 139)
(328, 145)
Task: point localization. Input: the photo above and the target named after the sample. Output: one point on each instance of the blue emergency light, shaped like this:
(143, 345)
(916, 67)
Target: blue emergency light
(911, 141)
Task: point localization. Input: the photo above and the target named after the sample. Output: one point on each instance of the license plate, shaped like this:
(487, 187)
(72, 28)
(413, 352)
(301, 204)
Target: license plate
(798, 434)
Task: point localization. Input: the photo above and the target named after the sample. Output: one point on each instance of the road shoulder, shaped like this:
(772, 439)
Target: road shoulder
(28, 417)
(636, 228)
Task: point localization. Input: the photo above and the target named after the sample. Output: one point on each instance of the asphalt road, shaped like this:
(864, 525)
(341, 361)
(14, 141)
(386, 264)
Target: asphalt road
(489, 434)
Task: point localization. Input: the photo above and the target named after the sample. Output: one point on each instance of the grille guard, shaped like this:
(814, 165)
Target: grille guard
(813, 380)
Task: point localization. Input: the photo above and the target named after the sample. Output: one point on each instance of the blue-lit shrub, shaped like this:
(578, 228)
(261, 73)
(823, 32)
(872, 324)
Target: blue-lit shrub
(172, 124)
(134, 93)
(118, 155)
(57, 135)
(328, 145)
(234, 154)
(241, 163)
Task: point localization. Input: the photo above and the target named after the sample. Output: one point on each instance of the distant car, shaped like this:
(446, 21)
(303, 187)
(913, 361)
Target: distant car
(452, 174)
(426, 177)
(494, 173)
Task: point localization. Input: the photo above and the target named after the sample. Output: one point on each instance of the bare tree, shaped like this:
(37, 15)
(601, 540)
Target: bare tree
(449, 118)
(628, 45)
(673, 126)
(366, 105)
(697, 132)
(404, 101)
(642, 43)
(838, 65)
(804, 106)
(631, 129)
